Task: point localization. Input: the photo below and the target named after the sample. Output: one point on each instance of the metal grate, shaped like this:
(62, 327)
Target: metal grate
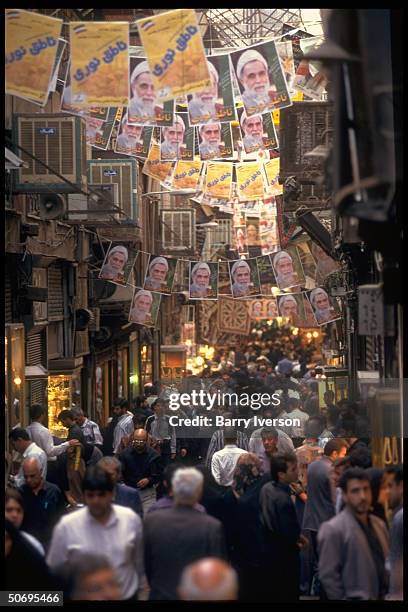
(8, 303)
(36, 349)
(178, 230)
(124, 174)
(55, 293)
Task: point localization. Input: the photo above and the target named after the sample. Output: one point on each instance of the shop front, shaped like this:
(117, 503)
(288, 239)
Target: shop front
(14, 378)
(63, 391)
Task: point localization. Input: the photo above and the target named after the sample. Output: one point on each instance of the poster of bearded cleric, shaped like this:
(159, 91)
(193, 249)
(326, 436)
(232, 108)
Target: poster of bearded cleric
(215, 103)
(133, 139)
(325, 308)
(261, 79)
(215, 141)
(203, 284)
(160, 274)
(244, 277)
(288, 268)
(258, 132)
(177, 140)
(118, 264)
(144, 109)
(144, 308)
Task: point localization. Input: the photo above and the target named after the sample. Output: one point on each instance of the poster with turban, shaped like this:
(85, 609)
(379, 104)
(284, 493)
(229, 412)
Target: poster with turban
(99, 68)
(133, 139)
(215, 141)
(250, 181)
(118, 264)
(216, 103)
(154, 167)
(325, 309)
(258, 132)
(175, 53)
(218, 183)
(160, 273)
(203, 280)
(244, 277)
(144, 308)
(261, 79)
(272, 167)
(186, 175)
(296, 308)
(31, 51)
(144, 108)
(98, 132)
(177, 140)
(288, 268)
(263, 309)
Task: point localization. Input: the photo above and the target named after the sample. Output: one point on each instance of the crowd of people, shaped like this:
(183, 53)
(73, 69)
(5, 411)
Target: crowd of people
(133, 511)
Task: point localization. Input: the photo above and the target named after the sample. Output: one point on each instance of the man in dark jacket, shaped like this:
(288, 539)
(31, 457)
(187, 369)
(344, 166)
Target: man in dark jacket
(282, 532)
(177, 536)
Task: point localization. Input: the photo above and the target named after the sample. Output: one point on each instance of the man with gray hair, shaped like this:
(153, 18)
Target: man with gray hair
(209, 580)
(143, 107)
(156, 276)
(116, 261)
(252, 71)
(89, 428)
(177, 536)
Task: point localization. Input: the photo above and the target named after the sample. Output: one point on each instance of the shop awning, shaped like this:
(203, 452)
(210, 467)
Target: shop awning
(36, 371)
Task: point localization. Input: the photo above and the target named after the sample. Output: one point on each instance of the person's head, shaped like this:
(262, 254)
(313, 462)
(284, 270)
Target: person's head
(356, 489)
(328, 397)
(97, 486)
(288, 306)
(141, 84)
(360, 457)
(207, 96)
(319, 299)
(230, 436)
(79, 416)
(139, 441)
(256, 309)
(335, 448)
(130, 130)
(269, 436)
(252, 71)
(118, 257)
(168, 474)
(174, 134)
(91, 577)
(252, 126)
(112, 467)
(38, 413)
(293, 404)
(143, 301)
(118, 408)
(14, 507)
(272, 309)
(201, 274)
(252, 233)
(187, 486)
(32, 473)
(284, 468)
(158, 268)
(66, 417)
(208, 579)
(159, 407)
(241, 272)
(283, 263)
(210, 133)
(396, 492)
(19, 439)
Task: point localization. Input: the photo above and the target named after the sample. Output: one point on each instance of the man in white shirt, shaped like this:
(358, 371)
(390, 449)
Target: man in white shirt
(20, 441)
(89, 428)
(124, 426)
(224, 461)
(42, 436)
(293, 412)
(114, 531)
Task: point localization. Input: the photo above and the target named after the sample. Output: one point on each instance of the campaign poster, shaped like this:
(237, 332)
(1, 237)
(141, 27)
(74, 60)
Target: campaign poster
(118, 264)
(177, 140)
(99, 112)
(296, 308)
(133, 139)
(186, 175)
(155, 167)
(160, 273)
(244, 277)
(272, 168)
(258, 132)
(215, 141)
(266, 274)
(144, 308)
(288, 268)
(144, 107)
(325, 309)
(98, 132)
(203, 280)
(218, 182)
(250, 181)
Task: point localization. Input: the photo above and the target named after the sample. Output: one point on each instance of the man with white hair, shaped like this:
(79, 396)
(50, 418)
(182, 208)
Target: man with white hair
(288, 307)
(241, 274)
(177, 536)
(172, 143)
(157, 272)
(252, 128)
(116, 261)
(200, 280)
(283, 266)
(141, 310)
(209, 580)
(323, 311)
(202, 106)
(210, 144)
(143, 108)
(129, 140)
(252, 72)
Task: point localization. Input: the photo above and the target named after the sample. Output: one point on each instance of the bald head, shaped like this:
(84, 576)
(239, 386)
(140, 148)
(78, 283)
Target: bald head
(209, 579)
(140, 440)
(32, 473)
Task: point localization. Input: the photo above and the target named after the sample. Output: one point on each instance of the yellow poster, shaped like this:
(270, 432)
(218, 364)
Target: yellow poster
(156, 168)
(186, 175)
(31, 49)
(250, 181)
(218, 181)
(99, 67)
(175, 53)
(272, 174)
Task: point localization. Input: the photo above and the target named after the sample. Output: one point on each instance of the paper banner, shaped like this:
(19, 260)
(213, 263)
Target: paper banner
(144, 108)
(99, 63)
(133, 139)
(67, 107)
(175, 53)
(250, 181)
(285, 52)
(261, 79)
(218, 181)
(272, 168)
(215, 141)
(297, 308)
(266, 274)
(160, 273)
(186, 175)
(118, 264)
(325, 309)
(177, 140)
(288, 268)
(144, 308)
(203, 280)
(156, 168)
(215, 103)
(244, 277)
(98, 132)
(258, 132)
(31, 49)
(263, 309)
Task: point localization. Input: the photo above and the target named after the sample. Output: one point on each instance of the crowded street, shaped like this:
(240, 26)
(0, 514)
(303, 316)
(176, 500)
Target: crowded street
(203, 306)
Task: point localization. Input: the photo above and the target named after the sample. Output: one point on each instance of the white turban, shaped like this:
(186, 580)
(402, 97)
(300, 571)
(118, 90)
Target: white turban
(250, 56)
(281, 255)
(119, 249)
(198, 266)
(158, 260)
(206, 125)
(141, 293)
(213, 71)
(286, 298)
(140, 68)
(239, 264)
(316, 292)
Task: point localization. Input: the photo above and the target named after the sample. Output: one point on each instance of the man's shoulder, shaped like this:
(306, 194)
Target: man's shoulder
(126, 514)
(127, 491)
(52, 488)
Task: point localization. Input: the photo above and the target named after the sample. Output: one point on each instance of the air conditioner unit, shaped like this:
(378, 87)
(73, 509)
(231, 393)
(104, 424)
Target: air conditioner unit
(104, 292)
(124, 173)
(98, 206)
(178, 230)
(57, 140)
